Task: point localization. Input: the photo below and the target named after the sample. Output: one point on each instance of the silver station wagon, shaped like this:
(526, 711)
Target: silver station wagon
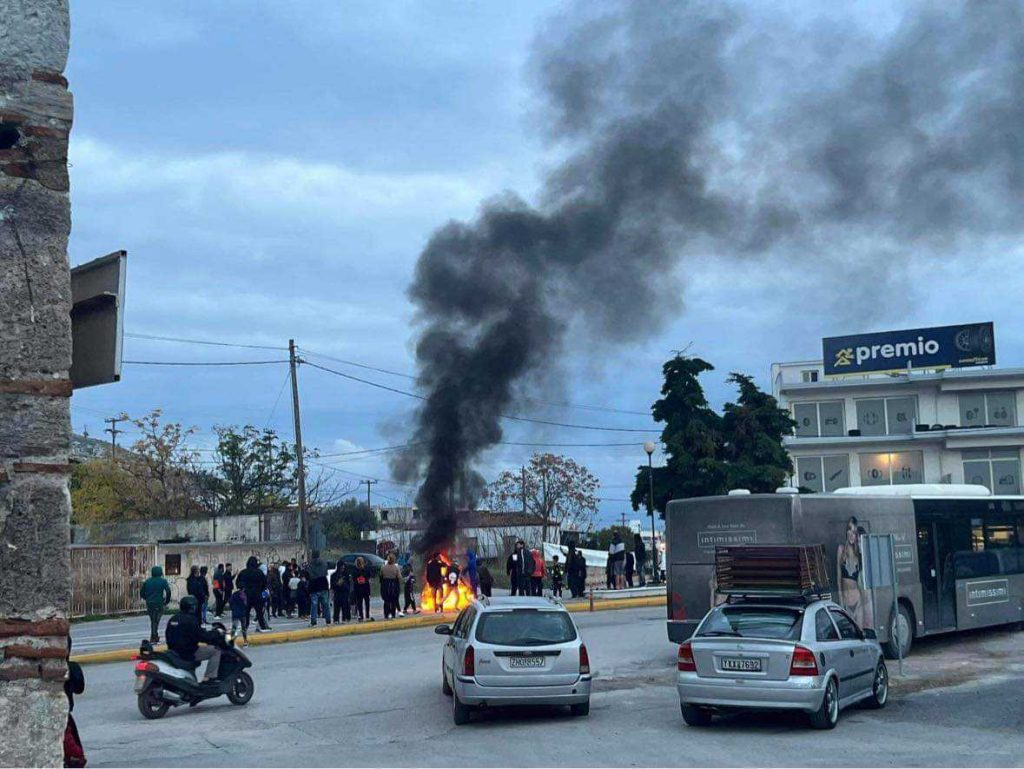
(514, 651)
(779, 653)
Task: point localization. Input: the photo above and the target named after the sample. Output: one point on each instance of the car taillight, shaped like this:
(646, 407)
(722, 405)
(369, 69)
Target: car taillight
(803, 663)
(584, 661)
(145, 667)
(469, 662)
(686, 663)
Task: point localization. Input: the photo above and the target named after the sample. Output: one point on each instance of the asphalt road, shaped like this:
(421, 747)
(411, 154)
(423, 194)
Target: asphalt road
(376, 700)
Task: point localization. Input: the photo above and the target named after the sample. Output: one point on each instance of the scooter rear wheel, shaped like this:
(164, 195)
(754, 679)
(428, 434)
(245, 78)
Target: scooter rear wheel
(242, 689)
(151, 705)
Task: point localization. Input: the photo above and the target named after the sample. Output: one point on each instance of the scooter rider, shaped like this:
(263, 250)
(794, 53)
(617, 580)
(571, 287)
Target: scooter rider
(184, 634)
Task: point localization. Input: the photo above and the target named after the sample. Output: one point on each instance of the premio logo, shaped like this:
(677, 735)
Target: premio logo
(900, 350)
(844, 357)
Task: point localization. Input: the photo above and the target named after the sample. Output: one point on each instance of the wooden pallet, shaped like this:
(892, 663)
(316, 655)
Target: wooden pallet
(789, 569)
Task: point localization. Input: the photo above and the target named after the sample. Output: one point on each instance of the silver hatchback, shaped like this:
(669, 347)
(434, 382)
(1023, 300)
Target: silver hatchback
(514, 651)
(780, 654)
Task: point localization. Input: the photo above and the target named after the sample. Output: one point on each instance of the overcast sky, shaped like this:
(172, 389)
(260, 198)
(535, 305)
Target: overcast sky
(274, 173)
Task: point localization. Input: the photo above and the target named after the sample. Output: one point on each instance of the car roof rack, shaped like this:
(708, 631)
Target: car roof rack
(770, 597)
(484, 600)
(555, 600)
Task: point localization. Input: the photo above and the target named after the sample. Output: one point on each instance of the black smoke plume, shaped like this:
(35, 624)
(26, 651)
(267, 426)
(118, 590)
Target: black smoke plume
(840, 147)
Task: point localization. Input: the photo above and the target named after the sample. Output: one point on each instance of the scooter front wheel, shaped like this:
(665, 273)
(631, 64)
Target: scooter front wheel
(242, 689)
(151, 705)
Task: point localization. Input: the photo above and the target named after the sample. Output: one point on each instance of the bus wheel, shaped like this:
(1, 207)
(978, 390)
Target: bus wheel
(902, 629)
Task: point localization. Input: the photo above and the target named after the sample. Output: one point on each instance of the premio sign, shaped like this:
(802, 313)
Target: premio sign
(891, 351)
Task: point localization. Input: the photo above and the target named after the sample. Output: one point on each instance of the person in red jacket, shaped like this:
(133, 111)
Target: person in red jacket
(537, 578)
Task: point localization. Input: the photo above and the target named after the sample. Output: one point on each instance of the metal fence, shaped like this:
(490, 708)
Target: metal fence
(106, 579)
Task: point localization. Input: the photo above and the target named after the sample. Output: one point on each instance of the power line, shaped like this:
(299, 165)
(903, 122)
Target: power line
(156, 338)
(202, 363)
(357, 365)
(287, 377)
(503, 416)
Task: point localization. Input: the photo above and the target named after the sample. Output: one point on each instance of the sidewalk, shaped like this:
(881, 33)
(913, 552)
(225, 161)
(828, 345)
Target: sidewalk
(95, 648)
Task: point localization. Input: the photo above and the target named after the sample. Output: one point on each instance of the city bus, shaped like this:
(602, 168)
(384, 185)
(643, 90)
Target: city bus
(959, 553)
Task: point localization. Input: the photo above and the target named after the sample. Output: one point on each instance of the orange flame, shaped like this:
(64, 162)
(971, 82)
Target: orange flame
(453, 598)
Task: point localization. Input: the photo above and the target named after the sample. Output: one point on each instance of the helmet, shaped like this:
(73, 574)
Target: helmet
(189, 604)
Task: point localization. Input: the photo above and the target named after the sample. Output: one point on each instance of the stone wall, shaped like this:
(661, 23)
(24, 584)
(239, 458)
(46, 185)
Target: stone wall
(35, 356)
(268, 527)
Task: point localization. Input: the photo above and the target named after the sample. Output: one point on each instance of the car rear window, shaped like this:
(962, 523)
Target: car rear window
(525, 627)
(753, 622)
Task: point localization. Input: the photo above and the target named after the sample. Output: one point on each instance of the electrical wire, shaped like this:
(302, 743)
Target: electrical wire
(277, 400)
(202, 363)
(512, 417)
(157, 338)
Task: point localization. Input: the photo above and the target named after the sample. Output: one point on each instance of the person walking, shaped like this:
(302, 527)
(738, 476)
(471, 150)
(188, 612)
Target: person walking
(204, 601)
(640, 556)
(390, 586)
(519, 568)
(486, 580)
(617, 560)
(194, 587)
(361, 576)
(629, 568)
(557, 573)
(229, 581)
(156, 592)
(409, 579)
(218, 591)
(341, 587)
(254, 582)
(239, 615)
(319, 600)
(435, 578)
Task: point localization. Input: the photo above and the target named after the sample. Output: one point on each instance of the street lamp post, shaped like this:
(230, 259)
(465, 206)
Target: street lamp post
(649, 448)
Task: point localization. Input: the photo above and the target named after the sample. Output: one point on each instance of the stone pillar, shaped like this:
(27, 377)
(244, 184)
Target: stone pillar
(35, 356)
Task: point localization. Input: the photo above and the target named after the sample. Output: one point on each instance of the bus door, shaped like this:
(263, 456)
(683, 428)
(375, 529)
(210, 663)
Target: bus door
(938, 579)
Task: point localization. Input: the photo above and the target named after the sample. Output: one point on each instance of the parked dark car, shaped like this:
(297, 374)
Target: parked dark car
(372, 560)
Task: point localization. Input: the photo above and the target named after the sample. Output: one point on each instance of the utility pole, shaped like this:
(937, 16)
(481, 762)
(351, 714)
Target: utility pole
(112, 421)
(623, 520)
(368, 483)
(292, 365)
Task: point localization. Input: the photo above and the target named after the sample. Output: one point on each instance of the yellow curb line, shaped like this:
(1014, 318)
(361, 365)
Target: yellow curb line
(378, 626)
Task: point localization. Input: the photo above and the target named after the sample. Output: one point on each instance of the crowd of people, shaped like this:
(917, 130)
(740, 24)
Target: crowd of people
(624, 565)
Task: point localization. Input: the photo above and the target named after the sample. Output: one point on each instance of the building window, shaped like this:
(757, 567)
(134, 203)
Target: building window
(886, 416)
(810, 375)
(823, 473)
(172, 565)
(998, 470)
(983, 409)
(891, 469)
(815, 420)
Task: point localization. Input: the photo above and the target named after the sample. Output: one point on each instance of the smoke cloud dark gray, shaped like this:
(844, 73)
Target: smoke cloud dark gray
(698, 131)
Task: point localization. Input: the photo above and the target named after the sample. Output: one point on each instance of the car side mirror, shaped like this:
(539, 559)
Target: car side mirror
(869, 634)
(443, 629)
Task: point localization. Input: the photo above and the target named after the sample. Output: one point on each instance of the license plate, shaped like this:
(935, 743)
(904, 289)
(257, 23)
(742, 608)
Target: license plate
(140, 683)
(751, 665)
(526, 662)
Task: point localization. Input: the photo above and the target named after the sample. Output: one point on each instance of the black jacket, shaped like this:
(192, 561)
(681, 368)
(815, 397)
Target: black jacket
(194, 586)
(252, 581)
(317, 571)
(184, 634)
(361, 578)
(521, 565)
(434, 575)
(486, 580)
(341, 580)
(228, 582)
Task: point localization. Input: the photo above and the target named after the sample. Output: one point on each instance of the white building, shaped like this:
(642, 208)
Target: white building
(951, 426)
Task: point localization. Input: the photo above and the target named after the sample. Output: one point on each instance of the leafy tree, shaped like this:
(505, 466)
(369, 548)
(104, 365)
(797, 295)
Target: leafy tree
(101, 492)
(347, 521)
(691, 438)
(556, 488)
(707, 454)
(163, 470)
(752, 455)
(257, 470)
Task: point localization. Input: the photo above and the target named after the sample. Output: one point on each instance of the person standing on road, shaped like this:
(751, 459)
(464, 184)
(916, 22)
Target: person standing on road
(435, 578)
(341, 587)
(218, 591)
(629, 568)
(254, 582)
(409, 579)
(390, 586)
(276, 598)
(229, 581)
(537, 576)
(519, 568)
(557, 572)
(473, 571)
(640, 555)
(617, 560)
(486, 580)
(156, 592)
(361, 576)
(204, 601)
(570, 570)
(581, 574)
(193, 586)
(318, 587)
(239, 615)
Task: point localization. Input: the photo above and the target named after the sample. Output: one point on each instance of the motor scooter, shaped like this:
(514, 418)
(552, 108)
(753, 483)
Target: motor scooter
(164, 680)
